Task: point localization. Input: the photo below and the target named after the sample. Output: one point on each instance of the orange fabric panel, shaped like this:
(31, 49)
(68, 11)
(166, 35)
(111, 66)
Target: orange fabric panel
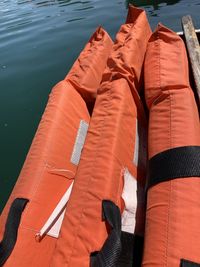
(173, 210)
(92, 61)
(109, 148)
(47, 172)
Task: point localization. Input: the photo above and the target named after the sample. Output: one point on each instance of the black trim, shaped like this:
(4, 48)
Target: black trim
(186, 263)
(110, 252)
(11, 228)
(174, 163)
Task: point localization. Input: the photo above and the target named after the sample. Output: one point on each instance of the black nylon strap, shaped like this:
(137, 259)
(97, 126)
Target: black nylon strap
(131, 253)
(11, 228)
(174, 163)
(110, 252)
(186, 263)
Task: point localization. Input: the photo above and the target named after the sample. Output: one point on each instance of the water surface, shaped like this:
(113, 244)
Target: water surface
(39, 41)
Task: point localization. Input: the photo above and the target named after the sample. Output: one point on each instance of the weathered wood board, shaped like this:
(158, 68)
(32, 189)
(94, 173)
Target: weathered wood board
(193, 49)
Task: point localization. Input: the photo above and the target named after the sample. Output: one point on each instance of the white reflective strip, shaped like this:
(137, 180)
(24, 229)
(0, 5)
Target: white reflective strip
(80, 140)
(54, 222)
(129, 196)
(136, 149)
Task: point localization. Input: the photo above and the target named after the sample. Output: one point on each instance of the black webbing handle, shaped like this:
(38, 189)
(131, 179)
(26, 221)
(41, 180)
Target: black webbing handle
(132, 249)
(110, 252)
(11, 228)
(186, 263)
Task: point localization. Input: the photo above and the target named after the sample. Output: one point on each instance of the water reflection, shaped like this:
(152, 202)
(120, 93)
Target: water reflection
(75, 19)
(47, 2)
(52, 2)
(155, 3)
(18, 14)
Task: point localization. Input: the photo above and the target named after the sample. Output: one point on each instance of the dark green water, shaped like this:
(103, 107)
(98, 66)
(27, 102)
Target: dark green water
(39, 41)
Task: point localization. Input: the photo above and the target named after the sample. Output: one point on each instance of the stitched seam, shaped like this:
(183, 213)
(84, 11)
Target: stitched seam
(160, 88)
(96, 155)
(171, 182)
(108, 102)
(132, 163)
(168, 221)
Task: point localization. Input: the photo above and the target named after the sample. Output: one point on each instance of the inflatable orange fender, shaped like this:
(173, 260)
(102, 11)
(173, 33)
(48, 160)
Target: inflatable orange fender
(111, 172)
(173, 211)
(51, 164)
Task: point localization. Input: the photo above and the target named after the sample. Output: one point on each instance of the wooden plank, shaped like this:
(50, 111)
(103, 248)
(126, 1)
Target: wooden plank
(193, 49)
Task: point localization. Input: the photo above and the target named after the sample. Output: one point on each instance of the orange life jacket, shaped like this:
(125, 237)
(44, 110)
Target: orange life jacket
(111, 172)
(173, 204)
(52, 161)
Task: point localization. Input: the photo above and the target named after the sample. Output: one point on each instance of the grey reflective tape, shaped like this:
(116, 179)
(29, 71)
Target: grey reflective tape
(140, 149)
(136, 150)
(79, 143)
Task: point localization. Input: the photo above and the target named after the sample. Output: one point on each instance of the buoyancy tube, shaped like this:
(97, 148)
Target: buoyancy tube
(172, 234)
(46, 179)
(106, 210)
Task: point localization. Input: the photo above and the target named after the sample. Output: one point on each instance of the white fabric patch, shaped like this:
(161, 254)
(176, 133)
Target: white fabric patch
(55, 229)
(79, 143)
(129, 196)
(53, 224)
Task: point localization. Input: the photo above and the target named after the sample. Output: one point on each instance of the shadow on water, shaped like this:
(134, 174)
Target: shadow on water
(154, 3)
